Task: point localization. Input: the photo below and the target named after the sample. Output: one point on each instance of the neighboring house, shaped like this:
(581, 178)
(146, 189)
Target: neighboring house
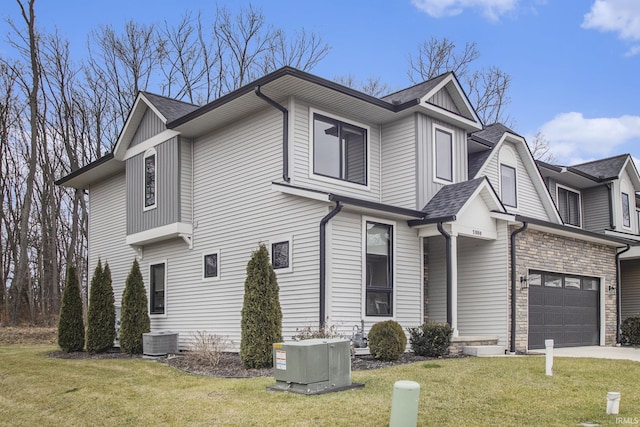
(404, 207)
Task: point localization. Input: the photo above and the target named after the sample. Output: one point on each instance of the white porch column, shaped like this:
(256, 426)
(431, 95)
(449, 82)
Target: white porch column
(454, 283)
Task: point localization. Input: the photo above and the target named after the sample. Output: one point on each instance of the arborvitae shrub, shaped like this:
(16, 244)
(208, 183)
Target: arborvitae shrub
(261, 313)
(387, 340)
(101, 315)
(431, 339)
(71, 324)
(134, 315)
(630, 329)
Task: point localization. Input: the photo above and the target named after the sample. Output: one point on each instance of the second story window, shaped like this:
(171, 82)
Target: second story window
(508, 185)
(569, 206)
(443, 147)
(626, 212)
(150, 179)
(339, 150)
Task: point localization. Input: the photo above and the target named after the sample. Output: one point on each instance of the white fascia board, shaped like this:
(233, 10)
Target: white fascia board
(131, 125)
(451, 79)
(150, 143)
(301, 192)
(176, 229)
(452, 118)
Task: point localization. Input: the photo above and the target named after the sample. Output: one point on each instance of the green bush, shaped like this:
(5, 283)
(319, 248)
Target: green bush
(630, 330)
(261, 325)
(387, 340)
(71, 324)
(101, 315)
(432, 339)
(134, 315)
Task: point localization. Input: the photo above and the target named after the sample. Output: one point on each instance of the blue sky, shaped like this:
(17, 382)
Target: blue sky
(575, 65)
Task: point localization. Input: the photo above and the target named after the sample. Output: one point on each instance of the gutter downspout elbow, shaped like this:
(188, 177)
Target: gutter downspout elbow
(323, 261)
(447, 239)
(514, 233)
(618, 289)
(285, 132)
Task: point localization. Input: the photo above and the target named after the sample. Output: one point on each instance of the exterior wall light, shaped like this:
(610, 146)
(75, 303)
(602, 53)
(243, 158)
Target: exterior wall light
(524, 283)
(612, 290)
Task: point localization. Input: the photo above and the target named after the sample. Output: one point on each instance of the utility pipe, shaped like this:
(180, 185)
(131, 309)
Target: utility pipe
(285, 132)
(618, 289)
(323, 275)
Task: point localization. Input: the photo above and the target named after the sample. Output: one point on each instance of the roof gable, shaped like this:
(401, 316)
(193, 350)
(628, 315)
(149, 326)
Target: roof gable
(452, 199)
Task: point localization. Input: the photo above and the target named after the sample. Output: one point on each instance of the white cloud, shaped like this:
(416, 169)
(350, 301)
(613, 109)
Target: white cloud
(618, 16)
(574, 138)
(491, 9)
(634, 50)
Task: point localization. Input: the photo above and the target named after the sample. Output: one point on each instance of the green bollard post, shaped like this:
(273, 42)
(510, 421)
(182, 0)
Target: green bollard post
(404, 404)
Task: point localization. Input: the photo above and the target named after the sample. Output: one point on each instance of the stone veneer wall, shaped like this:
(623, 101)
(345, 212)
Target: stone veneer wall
(549, 252)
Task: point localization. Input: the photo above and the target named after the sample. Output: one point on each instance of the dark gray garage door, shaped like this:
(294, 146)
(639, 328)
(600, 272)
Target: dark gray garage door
(564, 308)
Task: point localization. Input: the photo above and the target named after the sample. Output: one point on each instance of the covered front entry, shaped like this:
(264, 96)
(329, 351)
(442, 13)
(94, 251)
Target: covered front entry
(564, 308)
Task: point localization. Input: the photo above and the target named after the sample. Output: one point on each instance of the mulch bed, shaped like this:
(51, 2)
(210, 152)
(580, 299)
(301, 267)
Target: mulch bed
(230, 365)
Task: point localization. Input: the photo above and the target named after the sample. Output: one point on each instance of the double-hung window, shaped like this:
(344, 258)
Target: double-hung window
(379, 269)
(443, 149)
(150, 179)
(157, 273)
(569, 206)
(339, 150)
(626, 211)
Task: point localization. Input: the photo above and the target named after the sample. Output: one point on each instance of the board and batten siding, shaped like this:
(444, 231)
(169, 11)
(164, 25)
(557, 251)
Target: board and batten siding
(529, 200)
(427, 187)
(596, 210)
(149, 126)
(443, 99)
(345, 283)
(399, 164)
(301, 169)
(186, 180)
(167, 210)
(235, 209)
(107, 231)
(630, 288)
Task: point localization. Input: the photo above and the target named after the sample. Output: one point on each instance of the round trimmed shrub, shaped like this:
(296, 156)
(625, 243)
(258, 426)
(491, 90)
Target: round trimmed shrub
(431, 339)
(630, 329)
(387, 340)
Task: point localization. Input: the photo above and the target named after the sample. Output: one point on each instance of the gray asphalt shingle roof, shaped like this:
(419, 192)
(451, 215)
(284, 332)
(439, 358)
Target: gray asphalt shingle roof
(603, 168)
(451, 198)
(171, 109)
(492, 133)
(414, 92)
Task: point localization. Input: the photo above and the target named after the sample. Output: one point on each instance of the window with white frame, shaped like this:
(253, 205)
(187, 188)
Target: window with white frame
(626, 211)
(340, 150)
(379, 269)
(157, 285)
(508, 177)
(211, 265)
(150, 183)
(443, 154)
(569, 206)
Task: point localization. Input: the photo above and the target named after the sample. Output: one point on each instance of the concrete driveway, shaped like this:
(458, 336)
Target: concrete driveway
(626, 353)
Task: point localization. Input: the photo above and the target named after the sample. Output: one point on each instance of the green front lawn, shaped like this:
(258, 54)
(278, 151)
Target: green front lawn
(37, 390)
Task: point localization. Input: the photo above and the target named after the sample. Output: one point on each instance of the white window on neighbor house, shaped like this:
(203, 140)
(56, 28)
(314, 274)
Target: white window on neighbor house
(379, 266)
(157, 288)
(626, 211)
(569, 206)
(443, 154)
(150, 182)
(340, 149)
(508, 177)
(211, 265)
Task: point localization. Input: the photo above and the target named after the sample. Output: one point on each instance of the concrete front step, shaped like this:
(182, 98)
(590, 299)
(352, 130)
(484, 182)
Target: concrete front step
(483, 350)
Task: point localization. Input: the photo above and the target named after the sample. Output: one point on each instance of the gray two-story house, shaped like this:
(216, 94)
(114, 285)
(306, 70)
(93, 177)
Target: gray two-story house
(403, 207)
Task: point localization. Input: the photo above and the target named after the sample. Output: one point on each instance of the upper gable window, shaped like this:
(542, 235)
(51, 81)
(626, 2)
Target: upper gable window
(443, 148)
(150, 163)
(626, 211)
(569, 206)
(508, 177)
(340, 150)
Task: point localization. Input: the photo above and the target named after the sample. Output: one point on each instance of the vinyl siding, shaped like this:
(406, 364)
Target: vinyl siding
(346, 282)
(167, 210)
(186, 180)
(444, 100)
(301, 169)
(427, 187)
(483, 286)
(437, 284)
(107, 231)
(529, 201)
(149, 126)
(630, 293)
(399, 186)
(595, 208)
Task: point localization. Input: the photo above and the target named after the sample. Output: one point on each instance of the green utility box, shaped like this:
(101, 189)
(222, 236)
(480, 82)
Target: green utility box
(312, 366)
